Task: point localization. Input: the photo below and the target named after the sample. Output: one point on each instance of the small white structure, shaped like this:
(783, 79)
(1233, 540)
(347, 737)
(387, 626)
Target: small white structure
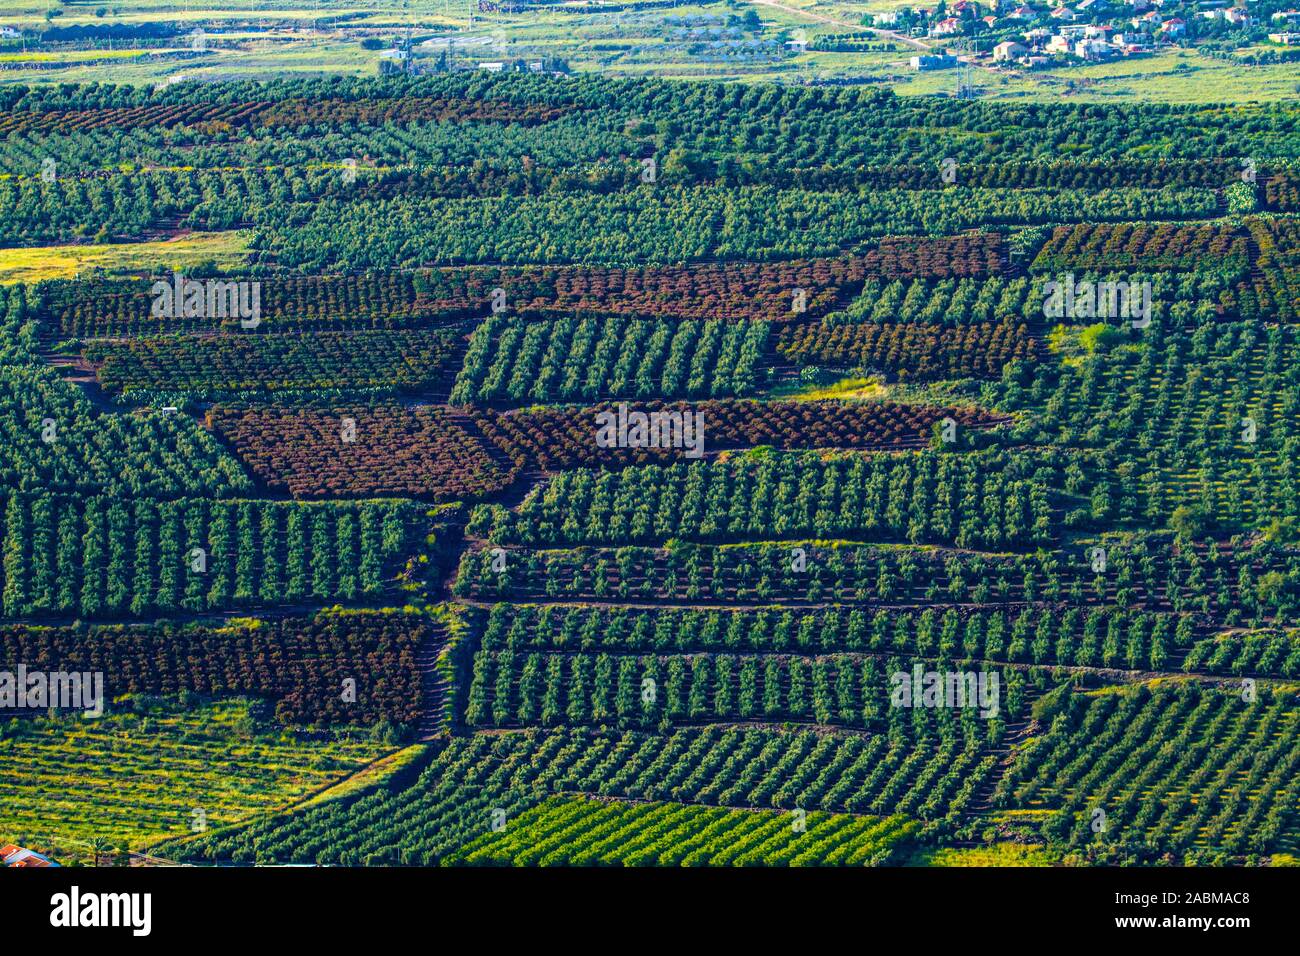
(1093, 49)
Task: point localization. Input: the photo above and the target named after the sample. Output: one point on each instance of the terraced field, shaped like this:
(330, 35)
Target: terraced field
(604, 474)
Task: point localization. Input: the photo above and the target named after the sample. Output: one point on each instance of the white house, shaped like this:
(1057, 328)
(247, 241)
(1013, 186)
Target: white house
(1093, 49)
(1175, 27)
(946, 27)
(1008, 51)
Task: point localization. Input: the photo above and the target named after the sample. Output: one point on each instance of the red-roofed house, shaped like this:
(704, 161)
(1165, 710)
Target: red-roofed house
(946, 27)
(1175, 27)
(13, 855)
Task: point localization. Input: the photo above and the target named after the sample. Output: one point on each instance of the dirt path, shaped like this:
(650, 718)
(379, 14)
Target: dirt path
(913, 42)
(854, 27)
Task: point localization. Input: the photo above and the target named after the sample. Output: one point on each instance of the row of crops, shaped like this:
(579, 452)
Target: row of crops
(947, 568)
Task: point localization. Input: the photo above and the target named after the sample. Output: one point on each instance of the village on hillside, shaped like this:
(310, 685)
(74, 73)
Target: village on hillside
(1023, 36)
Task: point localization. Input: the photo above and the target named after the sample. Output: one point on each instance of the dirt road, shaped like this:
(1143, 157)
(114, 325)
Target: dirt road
(854, 27)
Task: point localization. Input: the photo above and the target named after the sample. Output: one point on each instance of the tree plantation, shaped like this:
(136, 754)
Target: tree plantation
(625, 472)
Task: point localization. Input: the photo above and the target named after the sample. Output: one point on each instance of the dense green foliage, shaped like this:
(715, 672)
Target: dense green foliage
(913, 469)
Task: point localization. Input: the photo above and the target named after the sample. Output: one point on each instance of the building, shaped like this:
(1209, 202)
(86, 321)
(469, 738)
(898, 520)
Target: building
(1009, 51)
(1286, 39)
(946, 27)
(1022, 13)
(937, 61)
(1093, 50)
(492, 67)
(1064, 14)
(9, 33)
(13, 855)
(1175, 27)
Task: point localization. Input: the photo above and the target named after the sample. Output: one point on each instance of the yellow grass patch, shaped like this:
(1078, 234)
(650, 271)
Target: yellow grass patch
(64, 262)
